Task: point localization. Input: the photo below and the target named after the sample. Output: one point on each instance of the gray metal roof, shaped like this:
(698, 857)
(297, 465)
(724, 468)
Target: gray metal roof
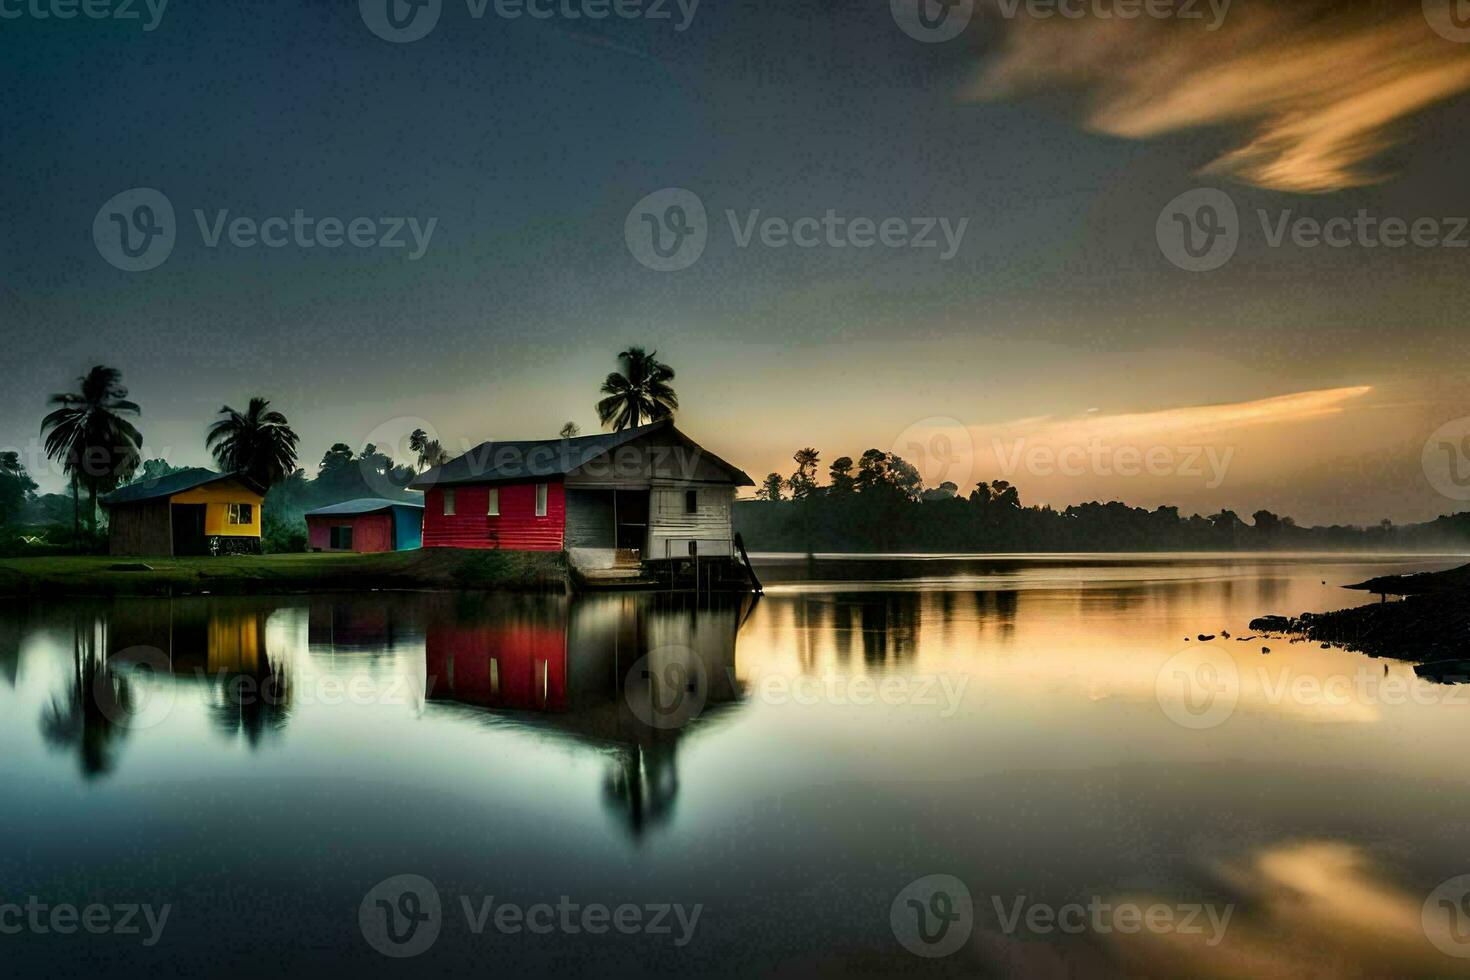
(167, 486)
(363, 505)
(530, 459)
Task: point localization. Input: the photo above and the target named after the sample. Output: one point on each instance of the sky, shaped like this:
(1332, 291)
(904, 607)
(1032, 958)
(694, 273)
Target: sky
(1031, 312)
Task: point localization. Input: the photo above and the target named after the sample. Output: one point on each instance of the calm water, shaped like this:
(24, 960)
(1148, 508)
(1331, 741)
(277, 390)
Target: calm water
(762, 785)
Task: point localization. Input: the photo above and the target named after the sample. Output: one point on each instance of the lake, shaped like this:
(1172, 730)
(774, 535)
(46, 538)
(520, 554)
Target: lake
(1015, 765)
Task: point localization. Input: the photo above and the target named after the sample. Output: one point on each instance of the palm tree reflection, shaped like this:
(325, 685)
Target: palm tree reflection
(90, 717)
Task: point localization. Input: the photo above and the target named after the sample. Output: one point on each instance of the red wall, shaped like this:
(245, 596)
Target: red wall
(516, 529)
(531, 659)
(370, 532)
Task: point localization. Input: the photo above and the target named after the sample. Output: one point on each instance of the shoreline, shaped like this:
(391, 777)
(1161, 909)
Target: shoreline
(438, 569)
(1430, 623)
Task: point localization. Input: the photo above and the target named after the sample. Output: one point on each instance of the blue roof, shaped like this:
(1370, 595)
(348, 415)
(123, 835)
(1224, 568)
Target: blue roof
(363, 505)
(167, 486)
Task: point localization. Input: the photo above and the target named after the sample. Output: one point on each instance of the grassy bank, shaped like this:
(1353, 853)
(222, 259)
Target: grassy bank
(439, 568)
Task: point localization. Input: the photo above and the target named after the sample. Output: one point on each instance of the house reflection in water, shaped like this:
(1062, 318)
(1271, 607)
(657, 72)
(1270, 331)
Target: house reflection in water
(218, 642)
(589, 666)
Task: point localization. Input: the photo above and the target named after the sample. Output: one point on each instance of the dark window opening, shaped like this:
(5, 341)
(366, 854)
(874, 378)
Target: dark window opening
(342, 538)
(691, 501)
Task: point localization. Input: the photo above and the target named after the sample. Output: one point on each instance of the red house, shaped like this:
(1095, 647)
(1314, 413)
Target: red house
(612, 500)
(365, 525)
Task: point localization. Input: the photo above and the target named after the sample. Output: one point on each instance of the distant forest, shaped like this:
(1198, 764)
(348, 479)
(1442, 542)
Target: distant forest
(880, 505)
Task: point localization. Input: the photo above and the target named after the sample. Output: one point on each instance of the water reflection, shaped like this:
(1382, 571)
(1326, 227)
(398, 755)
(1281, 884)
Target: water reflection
(628, 747)
(87, 718)
(590, 669)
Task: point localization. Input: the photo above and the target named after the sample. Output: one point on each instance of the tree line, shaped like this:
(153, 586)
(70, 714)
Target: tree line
(880, 504)
(93, 434)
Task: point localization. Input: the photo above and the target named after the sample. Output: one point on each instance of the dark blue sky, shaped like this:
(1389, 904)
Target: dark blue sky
(529, 141)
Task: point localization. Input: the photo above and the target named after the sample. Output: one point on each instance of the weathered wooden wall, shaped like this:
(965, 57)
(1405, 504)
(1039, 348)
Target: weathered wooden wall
(140, 529)
(670, 529)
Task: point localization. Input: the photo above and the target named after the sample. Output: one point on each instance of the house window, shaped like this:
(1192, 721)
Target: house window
(691, 501)
(540, 500)
(494, 507)
(448, 503)
(241, 514)
(341, 538)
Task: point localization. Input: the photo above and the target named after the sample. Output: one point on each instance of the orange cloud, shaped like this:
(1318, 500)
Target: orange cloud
(1318, 90)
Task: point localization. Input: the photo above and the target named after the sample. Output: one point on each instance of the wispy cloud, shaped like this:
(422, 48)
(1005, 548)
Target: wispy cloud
(1318, 90)
(1190, 422)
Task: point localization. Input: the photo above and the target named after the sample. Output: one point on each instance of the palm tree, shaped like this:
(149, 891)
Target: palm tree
(98, 448)
(639, 393)
(430, 452)
(259, 443)
(417, 440)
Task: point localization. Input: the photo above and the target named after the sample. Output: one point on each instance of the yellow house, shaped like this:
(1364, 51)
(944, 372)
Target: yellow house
(191, 512)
